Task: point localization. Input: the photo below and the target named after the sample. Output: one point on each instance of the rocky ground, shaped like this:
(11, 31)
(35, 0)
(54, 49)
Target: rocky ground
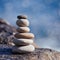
(6, 37)
(38, 54)
(6, 32)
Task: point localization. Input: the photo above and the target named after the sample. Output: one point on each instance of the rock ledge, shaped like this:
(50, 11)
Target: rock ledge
(38, 54)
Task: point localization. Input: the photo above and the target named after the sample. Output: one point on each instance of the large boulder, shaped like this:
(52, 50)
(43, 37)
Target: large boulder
(6, 32)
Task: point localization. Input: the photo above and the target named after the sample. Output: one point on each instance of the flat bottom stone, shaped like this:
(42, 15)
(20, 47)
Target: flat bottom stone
(38, 54)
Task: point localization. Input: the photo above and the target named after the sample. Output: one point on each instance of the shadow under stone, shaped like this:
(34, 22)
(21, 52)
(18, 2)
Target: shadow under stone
(5, 51)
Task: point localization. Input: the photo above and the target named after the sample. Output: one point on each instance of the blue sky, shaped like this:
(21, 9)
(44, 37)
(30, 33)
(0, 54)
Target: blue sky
(44, 17)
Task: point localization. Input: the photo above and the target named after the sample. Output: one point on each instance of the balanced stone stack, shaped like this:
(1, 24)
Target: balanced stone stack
(24, 39)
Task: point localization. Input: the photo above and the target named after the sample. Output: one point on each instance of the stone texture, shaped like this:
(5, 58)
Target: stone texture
(22, 17)
(6, 32)
(2, 21)
(23, 49)
(22, 42)
(23, 29)
(22, 22)
(38, 54)
(24, 35)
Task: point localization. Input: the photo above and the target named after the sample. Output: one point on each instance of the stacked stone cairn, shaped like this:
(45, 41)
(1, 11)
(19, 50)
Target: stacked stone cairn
(24, 39)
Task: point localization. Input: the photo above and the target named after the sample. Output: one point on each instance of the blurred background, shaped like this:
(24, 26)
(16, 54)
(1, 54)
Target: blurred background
(44, 17)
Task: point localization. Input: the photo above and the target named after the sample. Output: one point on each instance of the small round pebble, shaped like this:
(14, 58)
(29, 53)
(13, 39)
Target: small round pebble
(22, 17)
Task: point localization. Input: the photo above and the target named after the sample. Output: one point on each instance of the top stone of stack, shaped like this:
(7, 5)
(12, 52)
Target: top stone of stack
(22, 21)
(22, 17)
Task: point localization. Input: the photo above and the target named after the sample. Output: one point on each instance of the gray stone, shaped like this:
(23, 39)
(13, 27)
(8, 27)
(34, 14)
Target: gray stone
(22, 22)
(22, 42)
